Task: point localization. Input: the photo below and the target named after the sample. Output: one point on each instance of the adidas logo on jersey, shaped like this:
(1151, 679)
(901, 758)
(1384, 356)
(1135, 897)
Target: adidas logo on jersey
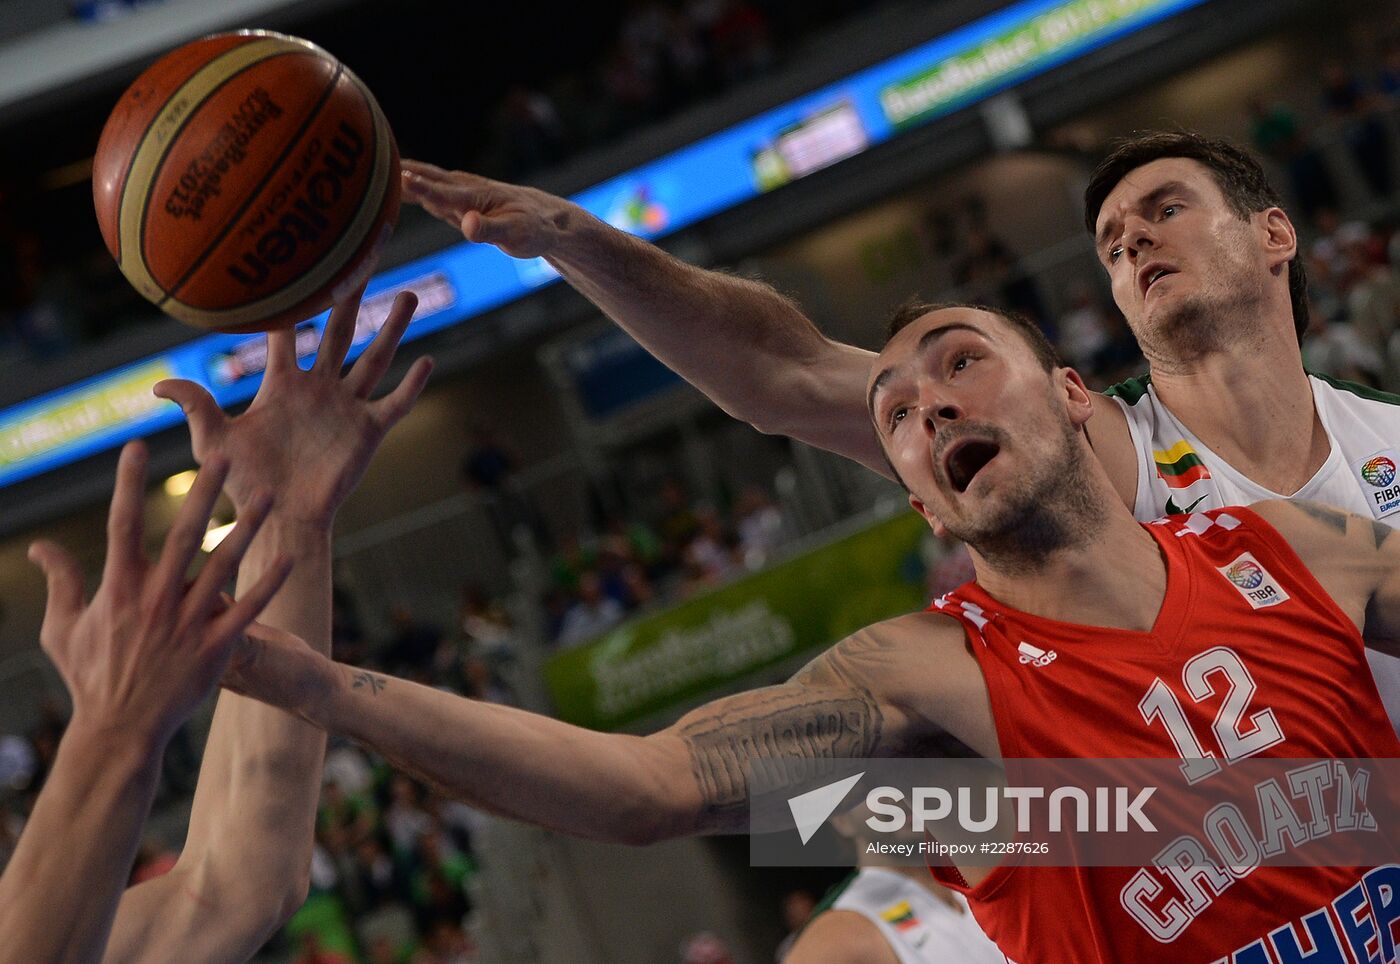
(1034, 655)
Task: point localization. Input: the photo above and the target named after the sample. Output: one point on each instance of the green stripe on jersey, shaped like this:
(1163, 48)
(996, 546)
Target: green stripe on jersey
(1130, 390)
(1361, 391)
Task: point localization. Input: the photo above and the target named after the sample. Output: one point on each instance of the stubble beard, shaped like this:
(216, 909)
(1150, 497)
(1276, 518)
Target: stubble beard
(1039, 515)
(1206, 323)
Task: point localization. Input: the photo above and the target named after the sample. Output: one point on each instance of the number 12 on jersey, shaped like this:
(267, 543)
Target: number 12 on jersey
(1199, 677)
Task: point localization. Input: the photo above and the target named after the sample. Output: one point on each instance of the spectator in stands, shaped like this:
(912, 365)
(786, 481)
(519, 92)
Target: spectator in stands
(413, 643)
(1084, 327)
(741, 42)
(991, 274)
(1347, 99)
(592, 613)
(404, 818)
(710, 554)
(529, 130)
(759, 525)
(1277, 134)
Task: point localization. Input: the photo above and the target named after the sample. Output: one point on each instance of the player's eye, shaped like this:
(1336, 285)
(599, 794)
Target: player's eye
(1113, 254)
(1170, 209)
(960, 362)
(896, 416)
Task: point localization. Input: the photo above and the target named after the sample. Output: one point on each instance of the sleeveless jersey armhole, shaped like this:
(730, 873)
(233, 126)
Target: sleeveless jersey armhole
(1143, 509)
(1290, 562)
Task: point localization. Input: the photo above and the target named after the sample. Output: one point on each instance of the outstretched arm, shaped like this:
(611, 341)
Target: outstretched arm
(751, 350)
(307, 436)
(137, 660)
(687, 779)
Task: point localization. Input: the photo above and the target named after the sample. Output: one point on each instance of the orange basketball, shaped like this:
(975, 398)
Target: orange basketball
(245, 180)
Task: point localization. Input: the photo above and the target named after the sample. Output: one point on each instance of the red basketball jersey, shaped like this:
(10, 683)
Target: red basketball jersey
(1241, 609)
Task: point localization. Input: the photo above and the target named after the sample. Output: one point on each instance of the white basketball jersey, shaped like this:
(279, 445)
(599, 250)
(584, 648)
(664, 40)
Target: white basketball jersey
(1177, 473)
(920, 928)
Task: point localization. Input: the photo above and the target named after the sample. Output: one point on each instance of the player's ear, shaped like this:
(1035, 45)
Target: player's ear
(1280, 238)
(929, 517)
(1079, 400)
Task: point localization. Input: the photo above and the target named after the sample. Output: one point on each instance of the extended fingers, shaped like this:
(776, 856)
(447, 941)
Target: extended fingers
(398, 403)
(229, 624)
(205, 417)
(204, 595)
(370, 367)
(187, 533)
(124, 524)
(281, 351)
(444, 194)
(64, 578)
(340, 332)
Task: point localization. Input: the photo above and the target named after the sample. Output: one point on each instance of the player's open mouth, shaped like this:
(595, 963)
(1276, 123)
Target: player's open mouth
(966, 458)
(1150, 274)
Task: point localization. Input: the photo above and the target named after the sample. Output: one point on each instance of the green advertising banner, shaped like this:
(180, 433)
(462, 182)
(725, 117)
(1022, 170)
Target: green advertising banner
(805, 603)
(1027, 45)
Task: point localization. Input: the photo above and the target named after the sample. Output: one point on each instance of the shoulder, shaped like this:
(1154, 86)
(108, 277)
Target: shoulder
(1352, 393)
(923, 664)
(1311, 527)
(840, 936)
(906, 647)
(1112, 442)
(1347, 553)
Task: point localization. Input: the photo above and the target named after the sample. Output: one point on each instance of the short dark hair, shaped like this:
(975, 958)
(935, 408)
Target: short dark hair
(913, 309)
(1241, 179)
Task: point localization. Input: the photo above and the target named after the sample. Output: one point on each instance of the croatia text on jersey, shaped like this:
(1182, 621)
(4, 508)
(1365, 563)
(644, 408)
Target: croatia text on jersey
(1362, 920)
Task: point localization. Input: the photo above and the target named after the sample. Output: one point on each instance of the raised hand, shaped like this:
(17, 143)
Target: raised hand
(141, 656)
(308, 435)
(522, 221)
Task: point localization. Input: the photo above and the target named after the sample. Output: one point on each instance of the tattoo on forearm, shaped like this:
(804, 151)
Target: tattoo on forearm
(1328, 517)
(772, 726)
(363, 679)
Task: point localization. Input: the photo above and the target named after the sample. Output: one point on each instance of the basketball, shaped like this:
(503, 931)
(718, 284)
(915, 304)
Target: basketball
(245, 180)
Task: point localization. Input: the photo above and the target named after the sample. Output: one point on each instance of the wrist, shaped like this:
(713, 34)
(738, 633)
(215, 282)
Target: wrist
(321, 701)
(288, 535)
(576, 233)
(121, 744)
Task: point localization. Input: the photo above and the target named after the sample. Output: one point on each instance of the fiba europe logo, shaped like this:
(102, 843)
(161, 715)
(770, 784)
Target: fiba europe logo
(1378, 471)
(1248, 575)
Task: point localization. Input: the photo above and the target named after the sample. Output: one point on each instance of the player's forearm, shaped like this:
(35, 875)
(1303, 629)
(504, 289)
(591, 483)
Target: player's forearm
(743, 344)
(525, 766)
(255, 807)
(57, 903)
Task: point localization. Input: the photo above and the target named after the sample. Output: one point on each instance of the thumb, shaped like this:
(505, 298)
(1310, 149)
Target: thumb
(504, 232)
(202, 412)
(64, 578)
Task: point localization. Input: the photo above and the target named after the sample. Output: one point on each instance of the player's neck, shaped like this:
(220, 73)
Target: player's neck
(1116, 578)
(1252, 405)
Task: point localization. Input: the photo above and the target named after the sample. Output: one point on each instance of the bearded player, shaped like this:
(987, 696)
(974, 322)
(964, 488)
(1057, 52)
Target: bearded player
(988, 435)
(1204, 265)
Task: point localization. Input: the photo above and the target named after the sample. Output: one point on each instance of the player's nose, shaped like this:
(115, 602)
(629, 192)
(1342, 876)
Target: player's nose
(938, 410)
(1138, 236)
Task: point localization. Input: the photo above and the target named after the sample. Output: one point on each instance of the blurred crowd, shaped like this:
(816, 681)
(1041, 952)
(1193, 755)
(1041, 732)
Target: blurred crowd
(598, 579)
